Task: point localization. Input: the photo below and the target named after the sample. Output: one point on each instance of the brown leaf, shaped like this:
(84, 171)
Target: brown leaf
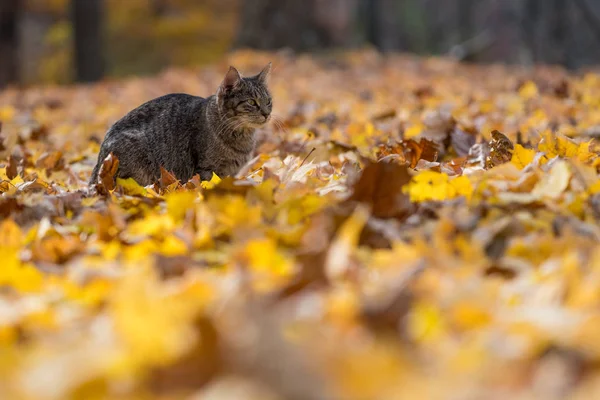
(176, 266)
(36, 185)
(2, 147)
(11, 168)
(8, 206)
(51, 161)
(384, 115)
(424, 150)
(230, 185)
(501, 149)
(104, 224)
(106, 176)
(193, 183)
(6, 186)
(424, 91)
(380, 185)
(56, 249)
(167, 178)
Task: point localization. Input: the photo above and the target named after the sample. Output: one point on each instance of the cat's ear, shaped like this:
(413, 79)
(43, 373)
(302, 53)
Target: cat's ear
(232, 78)
(264, 74)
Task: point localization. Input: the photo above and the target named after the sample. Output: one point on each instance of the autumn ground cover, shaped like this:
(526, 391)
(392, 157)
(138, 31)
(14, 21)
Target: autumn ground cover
(410, 228)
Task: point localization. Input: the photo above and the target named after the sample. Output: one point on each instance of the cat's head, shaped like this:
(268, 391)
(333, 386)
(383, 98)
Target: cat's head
(245, 101)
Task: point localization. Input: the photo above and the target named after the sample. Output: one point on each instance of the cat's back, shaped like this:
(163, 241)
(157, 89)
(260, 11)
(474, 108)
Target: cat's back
(167, 109)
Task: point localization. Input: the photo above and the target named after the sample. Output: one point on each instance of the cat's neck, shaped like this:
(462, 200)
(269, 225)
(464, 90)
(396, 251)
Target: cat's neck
(227, 130)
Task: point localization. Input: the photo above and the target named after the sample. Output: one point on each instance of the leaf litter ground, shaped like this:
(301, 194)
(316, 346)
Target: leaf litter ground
(409, 228)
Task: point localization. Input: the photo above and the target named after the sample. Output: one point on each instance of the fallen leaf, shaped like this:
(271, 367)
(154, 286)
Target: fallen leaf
(501, 149)
(106, 175)
(381, 187)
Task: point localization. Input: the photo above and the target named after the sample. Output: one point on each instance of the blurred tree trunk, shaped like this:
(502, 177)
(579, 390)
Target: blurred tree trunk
(9, 41)
(301, 25)
(88, 21)
(530, 21)
(383, 27)
(558, 32)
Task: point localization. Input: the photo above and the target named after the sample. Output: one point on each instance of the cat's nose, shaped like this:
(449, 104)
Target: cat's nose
(266, 115)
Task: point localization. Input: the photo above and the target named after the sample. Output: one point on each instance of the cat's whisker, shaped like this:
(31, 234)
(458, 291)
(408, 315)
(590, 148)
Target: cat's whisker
(228, 125)
(279, 124)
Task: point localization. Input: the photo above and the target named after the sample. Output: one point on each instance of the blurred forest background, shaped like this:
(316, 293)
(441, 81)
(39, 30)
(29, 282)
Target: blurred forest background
(60, 41)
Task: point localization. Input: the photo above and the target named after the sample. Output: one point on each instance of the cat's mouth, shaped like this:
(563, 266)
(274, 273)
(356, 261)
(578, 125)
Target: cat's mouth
(258, 121)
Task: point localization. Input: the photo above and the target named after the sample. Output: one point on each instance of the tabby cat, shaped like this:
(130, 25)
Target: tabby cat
(189, 135)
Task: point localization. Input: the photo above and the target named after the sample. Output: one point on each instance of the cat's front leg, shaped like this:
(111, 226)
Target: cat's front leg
(205, 175)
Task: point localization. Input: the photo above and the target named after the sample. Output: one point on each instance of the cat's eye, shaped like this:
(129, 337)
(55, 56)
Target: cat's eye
(251, 102)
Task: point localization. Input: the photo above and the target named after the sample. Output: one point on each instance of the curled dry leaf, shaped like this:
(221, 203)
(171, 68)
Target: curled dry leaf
(501, 149)
(106, 176)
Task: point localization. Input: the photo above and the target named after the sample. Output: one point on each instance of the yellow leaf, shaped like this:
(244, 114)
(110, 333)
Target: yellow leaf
(401, 254)
(154, 324)
(529, 90)
(431, 185)
(271, 265)
(414, 130)
(470, 315)
(233, 212)
(178, 203)
(522, 156)
(214, 180)
(20, 276)
(90, 294)
(152, 225)
(551, 186)
(343, 304)
(7, 113)
(595, 188)
(558, 145)
(140, 251)
(173, 246)
(10, 234)
(554, 183)
(425, 322)
(462, 185)
(131, 187)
